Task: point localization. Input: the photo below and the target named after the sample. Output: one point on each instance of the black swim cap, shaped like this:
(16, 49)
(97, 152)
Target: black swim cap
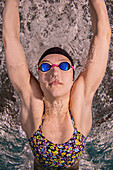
(56, 50)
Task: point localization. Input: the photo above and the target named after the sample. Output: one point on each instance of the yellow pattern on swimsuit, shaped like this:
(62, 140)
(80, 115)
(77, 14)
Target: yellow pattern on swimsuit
(63, 155)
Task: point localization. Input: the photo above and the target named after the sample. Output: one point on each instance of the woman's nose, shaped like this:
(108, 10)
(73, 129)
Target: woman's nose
(55, 69)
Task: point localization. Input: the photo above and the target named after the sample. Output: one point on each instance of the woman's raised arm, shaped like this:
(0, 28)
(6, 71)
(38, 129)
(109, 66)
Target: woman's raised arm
(90, 78)
(99, 49)
(15, 58)
(17, 67)
(24, 83)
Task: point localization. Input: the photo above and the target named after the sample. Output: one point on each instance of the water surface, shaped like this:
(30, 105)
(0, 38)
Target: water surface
(43, 25)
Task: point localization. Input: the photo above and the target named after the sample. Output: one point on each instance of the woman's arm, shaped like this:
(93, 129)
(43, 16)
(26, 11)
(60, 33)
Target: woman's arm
(14, 52)
(90, 78)
(24, 83)
(99, 49)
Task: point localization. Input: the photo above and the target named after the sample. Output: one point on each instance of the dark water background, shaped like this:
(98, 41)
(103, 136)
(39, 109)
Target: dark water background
(45, 24)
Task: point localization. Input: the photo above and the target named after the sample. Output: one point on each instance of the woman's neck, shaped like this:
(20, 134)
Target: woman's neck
(58, 107)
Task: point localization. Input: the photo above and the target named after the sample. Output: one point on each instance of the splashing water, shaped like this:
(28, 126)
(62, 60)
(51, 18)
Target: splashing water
(43, 25)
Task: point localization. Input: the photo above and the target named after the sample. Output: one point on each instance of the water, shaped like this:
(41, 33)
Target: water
(43, 25)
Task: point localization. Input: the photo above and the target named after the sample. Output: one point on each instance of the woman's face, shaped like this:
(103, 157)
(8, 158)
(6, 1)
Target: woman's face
(55, 82)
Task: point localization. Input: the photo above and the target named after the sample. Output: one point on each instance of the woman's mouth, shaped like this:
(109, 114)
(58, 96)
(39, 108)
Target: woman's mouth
(55, 83)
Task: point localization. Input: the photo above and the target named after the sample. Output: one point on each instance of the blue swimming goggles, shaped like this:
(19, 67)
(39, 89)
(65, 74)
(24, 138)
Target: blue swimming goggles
(63, 66)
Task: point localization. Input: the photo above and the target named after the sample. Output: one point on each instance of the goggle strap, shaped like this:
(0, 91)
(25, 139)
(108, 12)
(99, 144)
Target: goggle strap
(72, 67)
(55, 65)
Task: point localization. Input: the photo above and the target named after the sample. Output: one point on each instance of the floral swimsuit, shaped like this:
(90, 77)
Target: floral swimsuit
(63, 155)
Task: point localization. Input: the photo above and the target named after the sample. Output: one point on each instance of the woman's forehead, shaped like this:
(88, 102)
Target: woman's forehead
(55, 58)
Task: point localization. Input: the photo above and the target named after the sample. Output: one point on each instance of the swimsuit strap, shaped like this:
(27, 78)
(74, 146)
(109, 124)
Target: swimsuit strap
(42, 121)
(72, 119)
(71, 115)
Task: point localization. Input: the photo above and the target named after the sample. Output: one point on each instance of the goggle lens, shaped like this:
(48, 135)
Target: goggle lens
(45, 67)
(64, 66)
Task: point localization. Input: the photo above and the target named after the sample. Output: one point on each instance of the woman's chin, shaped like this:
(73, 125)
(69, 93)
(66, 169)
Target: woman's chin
(54, 95)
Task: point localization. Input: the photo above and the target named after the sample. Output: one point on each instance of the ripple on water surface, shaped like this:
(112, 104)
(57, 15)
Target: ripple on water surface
(45, 24)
